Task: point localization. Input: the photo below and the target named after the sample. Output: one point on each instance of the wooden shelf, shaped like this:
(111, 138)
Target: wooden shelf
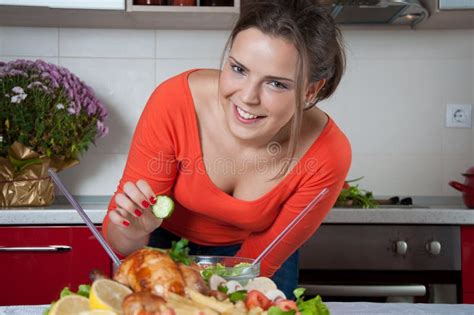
(135, 16)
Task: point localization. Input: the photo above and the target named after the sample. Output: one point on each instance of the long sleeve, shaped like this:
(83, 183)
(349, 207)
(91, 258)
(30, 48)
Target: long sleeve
(152, 152)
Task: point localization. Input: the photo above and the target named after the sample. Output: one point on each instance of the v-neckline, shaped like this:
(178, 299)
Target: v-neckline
(197, 135)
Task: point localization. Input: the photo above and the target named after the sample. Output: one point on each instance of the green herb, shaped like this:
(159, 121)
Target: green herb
(238, 296)
(222, 288)
(354, 196)
(274, 310)
(179, 251)
(65, 292)
(84, 290)
(314, 306)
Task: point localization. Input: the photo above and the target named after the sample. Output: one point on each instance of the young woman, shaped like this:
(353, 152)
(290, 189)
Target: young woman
(244, 149)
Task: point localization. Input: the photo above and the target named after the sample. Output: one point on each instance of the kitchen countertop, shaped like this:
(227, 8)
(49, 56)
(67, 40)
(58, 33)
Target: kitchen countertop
(336, 308)
(62, 213)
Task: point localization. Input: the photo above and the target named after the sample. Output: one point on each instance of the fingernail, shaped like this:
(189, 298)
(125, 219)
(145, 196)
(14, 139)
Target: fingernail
(126, 223)
(152, 200)
(145, 204)
(138, 213)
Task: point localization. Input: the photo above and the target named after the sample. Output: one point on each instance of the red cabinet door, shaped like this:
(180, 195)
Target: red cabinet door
(468, 298)
(467, 240)
(36, 275)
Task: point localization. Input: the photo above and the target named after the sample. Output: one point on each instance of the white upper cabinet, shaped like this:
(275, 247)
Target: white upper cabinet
(69, 4)
(116, 14)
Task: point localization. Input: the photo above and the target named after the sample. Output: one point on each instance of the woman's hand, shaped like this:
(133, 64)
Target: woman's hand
(133, 216)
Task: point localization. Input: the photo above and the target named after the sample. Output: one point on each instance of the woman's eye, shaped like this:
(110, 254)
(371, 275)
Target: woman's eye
(237, 69)
(278, 85)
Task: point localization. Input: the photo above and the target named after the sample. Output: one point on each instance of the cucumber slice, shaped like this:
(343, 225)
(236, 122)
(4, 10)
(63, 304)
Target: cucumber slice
(163, 208)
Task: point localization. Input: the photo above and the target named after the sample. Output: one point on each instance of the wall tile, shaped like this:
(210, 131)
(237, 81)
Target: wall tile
(190, 44)
(400, 109)
(97, 174)
(124, 86)
(108, 43)
(457, 142)
(391, 103)
(166, 68)
(403, 175)
(53, 60)
(29, 41)
(410, 44)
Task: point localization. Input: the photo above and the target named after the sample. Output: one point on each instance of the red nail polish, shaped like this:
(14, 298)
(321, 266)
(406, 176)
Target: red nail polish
(126, 223)
(152, 200)
(138, 213)
(145, 204)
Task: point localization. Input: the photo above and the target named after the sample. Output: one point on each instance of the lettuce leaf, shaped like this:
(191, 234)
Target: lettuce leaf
(314, 306)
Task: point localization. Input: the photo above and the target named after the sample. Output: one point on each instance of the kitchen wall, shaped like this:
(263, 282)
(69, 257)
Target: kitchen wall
(391, 102)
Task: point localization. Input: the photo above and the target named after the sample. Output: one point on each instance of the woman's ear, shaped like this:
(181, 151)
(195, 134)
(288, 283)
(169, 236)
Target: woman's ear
(313, 90)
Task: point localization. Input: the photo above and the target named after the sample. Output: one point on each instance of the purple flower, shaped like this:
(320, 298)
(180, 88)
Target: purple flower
(16, 99)
(64, 90)
(18, 90)
(71, 110)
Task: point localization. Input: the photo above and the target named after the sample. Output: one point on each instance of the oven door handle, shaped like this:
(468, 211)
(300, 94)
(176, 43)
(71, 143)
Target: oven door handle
(365, 290)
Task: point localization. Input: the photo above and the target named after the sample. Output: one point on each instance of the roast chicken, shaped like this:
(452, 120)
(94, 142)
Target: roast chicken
(153, 276)
(154, 271)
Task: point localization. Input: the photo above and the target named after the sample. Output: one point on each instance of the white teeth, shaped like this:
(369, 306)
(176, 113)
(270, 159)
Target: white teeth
(244, 114)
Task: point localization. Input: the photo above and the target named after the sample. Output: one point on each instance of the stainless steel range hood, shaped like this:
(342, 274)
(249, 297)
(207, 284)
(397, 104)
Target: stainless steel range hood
(398, 12)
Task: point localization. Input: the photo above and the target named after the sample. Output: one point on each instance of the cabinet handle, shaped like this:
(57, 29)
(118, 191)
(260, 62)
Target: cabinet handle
(366, 290)
(51, 248)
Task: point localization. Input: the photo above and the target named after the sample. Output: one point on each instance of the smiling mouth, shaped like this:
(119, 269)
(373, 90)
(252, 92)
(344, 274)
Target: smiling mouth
(246, 116)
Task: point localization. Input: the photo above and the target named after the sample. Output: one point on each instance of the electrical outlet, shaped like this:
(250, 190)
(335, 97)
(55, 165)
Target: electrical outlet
(458, 116)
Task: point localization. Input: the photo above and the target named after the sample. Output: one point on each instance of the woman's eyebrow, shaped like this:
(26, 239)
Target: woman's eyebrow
(271, 77)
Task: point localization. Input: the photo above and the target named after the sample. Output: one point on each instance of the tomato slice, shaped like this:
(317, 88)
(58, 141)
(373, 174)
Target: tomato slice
(257, 299)
(286, 305)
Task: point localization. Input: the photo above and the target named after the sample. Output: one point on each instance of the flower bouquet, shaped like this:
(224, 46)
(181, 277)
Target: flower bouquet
(48, 117)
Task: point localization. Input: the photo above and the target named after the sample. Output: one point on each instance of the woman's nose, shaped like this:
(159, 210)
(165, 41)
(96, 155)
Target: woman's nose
(250, 93)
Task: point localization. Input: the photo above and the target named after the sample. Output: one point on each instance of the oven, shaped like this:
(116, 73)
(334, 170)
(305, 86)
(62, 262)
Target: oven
(393, 263)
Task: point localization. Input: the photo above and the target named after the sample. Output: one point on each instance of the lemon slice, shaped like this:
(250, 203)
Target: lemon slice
(70, 305)
(107, 295)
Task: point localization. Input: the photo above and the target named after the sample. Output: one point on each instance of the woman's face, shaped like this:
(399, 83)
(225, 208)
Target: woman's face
(257, 85)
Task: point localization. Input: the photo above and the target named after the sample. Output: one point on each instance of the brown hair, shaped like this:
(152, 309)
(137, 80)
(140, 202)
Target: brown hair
(309, 26)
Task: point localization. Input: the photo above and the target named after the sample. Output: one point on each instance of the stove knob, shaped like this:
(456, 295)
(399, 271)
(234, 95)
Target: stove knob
(401, 247)
(433, 247)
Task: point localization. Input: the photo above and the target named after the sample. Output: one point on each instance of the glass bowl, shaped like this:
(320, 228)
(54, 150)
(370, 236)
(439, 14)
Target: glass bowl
(230, 268)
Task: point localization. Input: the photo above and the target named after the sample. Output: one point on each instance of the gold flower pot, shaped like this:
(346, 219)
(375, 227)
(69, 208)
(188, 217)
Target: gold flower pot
(24, 180)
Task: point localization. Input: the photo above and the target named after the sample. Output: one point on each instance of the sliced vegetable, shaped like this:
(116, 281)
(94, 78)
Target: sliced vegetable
(223, 271)
(286, 305)
(257, 299)
(275, 295)
(262, 284)
(163, 208)
(215, 281)
(233, 286)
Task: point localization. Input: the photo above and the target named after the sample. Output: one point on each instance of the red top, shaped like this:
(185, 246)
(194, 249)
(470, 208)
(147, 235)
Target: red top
(166, 152)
